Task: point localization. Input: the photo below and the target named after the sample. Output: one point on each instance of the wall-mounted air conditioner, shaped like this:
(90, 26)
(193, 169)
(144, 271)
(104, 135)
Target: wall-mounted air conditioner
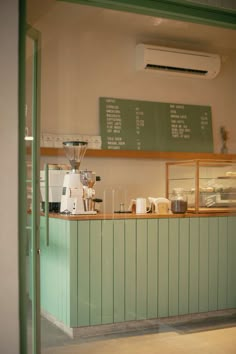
(177, 61)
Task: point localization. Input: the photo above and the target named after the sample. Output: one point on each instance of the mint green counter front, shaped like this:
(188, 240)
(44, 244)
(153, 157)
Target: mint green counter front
(106, 271)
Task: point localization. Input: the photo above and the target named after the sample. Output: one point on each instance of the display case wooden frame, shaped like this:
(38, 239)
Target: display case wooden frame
(205, 184)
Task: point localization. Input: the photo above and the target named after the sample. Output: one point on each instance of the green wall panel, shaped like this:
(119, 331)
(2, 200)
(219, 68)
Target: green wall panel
(194, 265)
(213, 263)
(141, 269)
(51, 271)
(49, 297)
(163, 266)
(231, 262)
(95, 273)
(173, 267)
(61, 260)
(58, 270)
(130, 270)
(222, 265)
(152, 268)
(107, 271)
(203, 265)
(183, 266)
(83, 274)
(72, 279)
(119, 271)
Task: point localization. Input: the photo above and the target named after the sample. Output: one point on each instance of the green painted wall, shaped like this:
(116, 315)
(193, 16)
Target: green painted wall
(107, 271)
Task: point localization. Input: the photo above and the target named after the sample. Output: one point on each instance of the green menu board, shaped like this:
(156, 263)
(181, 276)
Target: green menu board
(155, 126)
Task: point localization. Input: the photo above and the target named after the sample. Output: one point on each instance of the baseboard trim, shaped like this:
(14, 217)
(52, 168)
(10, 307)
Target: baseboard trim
(132, 326)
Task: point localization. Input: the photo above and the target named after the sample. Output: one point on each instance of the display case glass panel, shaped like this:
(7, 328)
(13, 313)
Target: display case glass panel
(210, 185)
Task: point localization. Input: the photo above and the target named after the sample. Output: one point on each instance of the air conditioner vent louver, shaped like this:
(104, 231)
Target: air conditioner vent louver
(176, 69)
(173, 61)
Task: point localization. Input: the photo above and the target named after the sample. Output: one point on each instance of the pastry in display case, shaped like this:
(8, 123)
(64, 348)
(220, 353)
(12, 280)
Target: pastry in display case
(208, 185)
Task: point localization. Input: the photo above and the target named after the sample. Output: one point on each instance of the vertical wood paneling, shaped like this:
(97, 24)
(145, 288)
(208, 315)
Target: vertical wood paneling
(66, 265)
(107, 271)
(45, 272)
(53, 268)
(223, 267)
(163, 266)
(141, 269)
(43, 264)
(173, 267)
(130, 270)
(61, 269)
(183, 266)
(83, 274)
(213, 263)
(72, 278)
(231, 262)
(119, 271)
(152, 244)
(58, 290)
(193, 265)
(203, 265)
(95, 273)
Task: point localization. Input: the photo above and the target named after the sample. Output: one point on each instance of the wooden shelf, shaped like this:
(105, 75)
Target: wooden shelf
(133, 154)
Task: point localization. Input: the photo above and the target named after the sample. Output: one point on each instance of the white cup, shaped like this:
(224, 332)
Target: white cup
(141, 206)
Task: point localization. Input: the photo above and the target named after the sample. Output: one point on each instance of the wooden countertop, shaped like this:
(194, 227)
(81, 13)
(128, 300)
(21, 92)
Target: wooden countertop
(117, 216)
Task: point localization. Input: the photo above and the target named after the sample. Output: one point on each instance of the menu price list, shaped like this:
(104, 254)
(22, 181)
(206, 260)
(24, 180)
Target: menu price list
(155, 126)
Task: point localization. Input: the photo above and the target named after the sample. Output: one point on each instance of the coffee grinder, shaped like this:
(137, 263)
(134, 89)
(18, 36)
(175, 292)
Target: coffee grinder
(72, 199)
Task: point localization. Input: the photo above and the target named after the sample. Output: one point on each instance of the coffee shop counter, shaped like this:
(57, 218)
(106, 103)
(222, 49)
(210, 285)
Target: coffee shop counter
(119, 269)
(123, 215)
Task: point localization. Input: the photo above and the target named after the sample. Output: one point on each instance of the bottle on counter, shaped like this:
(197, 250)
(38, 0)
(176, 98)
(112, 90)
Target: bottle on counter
(179, 204)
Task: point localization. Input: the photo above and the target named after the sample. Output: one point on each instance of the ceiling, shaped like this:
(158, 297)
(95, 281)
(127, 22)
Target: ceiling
(143, 26)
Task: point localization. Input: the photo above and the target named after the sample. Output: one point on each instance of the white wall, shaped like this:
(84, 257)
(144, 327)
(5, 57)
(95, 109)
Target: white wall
(88, 53)
(9, 319)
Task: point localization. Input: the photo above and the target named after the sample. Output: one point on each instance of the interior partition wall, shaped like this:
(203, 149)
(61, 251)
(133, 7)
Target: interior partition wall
(29, 97)
(179, 10)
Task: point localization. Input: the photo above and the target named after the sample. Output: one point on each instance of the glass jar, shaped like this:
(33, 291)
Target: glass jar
(179, 202)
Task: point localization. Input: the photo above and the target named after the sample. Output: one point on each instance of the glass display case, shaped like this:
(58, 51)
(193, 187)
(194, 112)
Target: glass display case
(209, 185)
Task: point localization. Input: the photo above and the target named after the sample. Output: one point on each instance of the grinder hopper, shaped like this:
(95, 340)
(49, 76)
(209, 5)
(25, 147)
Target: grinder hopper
(75, 151)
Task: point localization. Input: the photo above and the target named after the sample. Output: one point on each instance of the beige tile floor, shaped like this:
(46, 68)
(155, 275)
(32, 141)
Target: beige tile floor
(215, 335)
(221, 341)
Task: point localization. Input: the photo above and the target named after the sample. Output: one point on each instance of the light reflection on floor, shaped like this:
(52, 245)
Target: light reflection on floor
(213, 335)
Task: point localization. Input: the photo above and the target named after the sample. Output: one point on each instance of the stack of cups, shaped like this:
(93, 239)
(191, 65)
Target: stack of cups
(141, 206)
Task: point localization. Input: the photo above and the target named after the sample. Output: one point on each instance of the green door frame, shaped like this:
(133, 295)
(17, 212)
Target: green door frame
(34, 35)
(174, 9)
(22, 241)
(178, 10)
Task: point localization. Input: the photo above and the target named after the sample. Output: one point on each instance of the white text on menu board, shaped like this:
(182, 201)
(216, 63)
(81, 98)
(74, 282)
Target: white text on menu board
(114, 124)
(204, 122)
(179, 126)
(139, 116)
